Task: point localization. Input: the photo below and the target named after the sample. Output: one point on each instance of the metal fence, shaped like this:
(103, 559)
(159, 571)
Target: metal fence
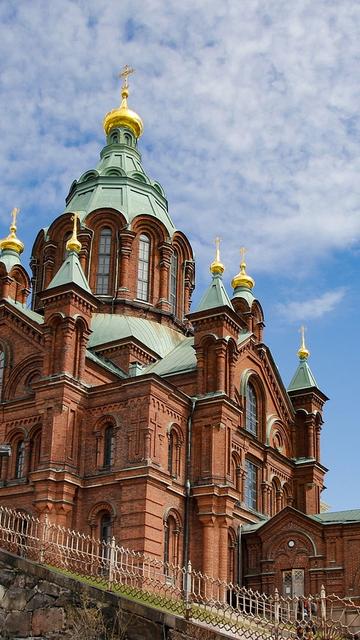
(181, 590)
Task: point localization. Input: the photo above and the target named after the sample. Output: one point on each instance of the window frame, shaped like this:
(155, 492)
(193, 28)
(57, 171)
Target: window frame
(173, 282)
(143, 270)
(19, 460)
(109, 446)
(251, 497)
(104, 261)
(252, 410)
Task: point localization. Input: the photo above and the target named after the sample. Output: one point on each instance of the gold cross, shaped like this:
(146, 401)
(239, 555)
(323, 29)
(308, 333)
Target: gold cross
(302, 333)
(243, 252)
(125, 73)
(14, 213)
(217, 245)
(75, 217)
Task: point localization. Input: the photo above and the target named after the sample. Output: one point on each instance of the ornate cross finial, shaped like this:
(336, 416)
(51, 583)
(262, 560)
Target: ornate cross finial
(243, 253)
(217, 245)
(125, 72)
(303, 352)
(302, 333)
(73, 244)
(14, 214)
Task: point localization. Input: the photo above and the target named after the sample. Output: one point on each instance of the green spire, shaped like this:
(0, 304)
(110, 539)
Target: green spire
(70, 272)
(215, 296)
(303, 377)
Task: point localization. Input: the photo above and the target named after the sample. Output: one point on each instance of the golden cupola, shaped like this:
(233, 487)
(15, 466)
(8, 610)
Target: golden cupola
(11, 242)
(242, 279)
(123, 116)
(217, 268)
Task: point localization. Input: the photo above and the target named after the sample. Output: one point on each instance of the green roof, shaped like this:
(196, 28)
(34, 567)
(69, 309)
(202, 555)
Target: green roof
(119, 182)
(70, 272)
(303, 378)
(244, 292)
(32, 315)
(333, 517)
(182, 358)
(108, 328)
(214, 296)
(10, 259)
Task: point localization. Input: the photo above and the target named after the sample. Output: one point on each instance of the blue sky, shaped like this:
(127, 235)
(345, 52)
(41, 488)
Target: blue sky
(251, 112)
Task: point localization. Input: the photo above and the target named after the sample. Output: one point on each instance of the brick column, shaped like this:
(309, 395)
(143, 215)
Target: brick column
(221, 366)
(200, 371)
(224, 523)
(166, 251)
(126, 243)
(317, 441)
(310, 437)
(208, 542)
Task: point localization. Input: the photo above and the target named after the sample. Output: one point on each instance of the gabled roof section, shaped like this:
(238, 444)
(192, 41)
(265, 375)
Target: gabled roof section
(29, 313)
(215, 296)
(70, 272)
(303, 378)
(109, 328)
(181, 359)
(337, 517)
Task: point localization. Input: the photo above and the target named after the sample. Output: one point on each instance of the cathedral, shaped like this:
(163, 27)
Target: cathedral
(126, 412)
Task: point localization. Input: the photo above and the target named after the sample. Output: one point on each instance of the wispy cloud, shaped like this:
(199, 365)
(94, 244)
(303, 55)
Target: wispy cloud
(250, 110)
(297, 311)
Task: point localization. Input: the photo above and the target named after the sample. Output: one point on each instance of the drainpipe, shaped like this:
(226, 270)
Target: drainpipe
(240, 579)
(188, 484)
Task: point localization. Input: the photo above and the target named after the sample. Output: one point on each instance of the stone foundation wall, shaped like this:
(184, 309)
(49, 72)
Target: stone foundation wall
(39, 604)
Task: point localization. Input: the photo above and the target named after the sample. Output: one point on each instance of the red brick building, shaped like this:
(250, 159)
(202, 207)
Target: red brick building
(130, 414)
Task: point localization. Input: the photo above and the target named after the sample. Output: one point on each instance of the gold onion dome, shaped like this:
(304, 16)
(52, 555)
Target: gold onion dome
(11, 242)
(303, 352)
(242, 279)
(217, 268)
(123, 116)
(73, 244)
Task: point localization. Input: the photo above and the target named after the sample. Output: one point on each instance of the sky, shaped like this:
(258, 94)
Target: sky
(252, 127)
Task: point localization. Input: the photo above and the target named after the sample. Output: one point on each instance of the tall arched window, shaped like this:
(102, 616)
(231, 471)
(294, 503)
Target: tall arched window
(251, 410)
(103, 266)
(251, 482)
(143, 268)
(171, 543)
(173, 282)
(174, 453)
(2, 368)
(20, 459)
(109, 441)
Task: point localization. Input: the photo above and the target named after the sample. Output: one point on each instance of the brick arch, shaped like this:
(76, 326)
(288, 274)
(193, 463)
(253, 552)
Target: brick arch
(274, 425)
(22, 371)
(272, 549)
(172, 512)
(104, 421)
(150, 225)
(97, 509)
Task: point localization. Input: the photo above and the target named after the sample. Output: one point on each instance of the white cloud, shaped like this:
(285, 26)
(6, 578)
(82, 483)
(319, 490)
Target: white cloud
(250, 110)
(311, 309)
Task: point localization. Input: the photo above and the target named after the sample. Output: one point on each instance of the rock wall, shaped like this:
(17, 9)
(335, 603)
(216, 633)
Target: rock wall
(37, 603)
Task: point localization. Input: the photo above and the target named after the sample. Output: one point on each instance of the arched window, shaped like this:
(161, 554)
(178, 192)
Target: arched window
(20, 459)
(105, 527)
(174, 454)
(251, 424)
(109, 441)
(2, 368)
(143, 268)
(251, 482)
(103, 267)
(171, 543)
(173, 282)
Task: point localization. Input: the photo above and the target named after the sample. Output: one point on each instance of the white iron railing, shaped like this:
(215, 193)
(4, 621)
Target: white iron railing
(180, 590)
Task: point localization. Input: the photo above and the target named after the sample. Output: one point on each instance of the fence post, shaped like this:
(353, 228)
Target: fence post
(187, 590)
(43, 538)
(276, 613)
(323, 606)
(112, 561)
